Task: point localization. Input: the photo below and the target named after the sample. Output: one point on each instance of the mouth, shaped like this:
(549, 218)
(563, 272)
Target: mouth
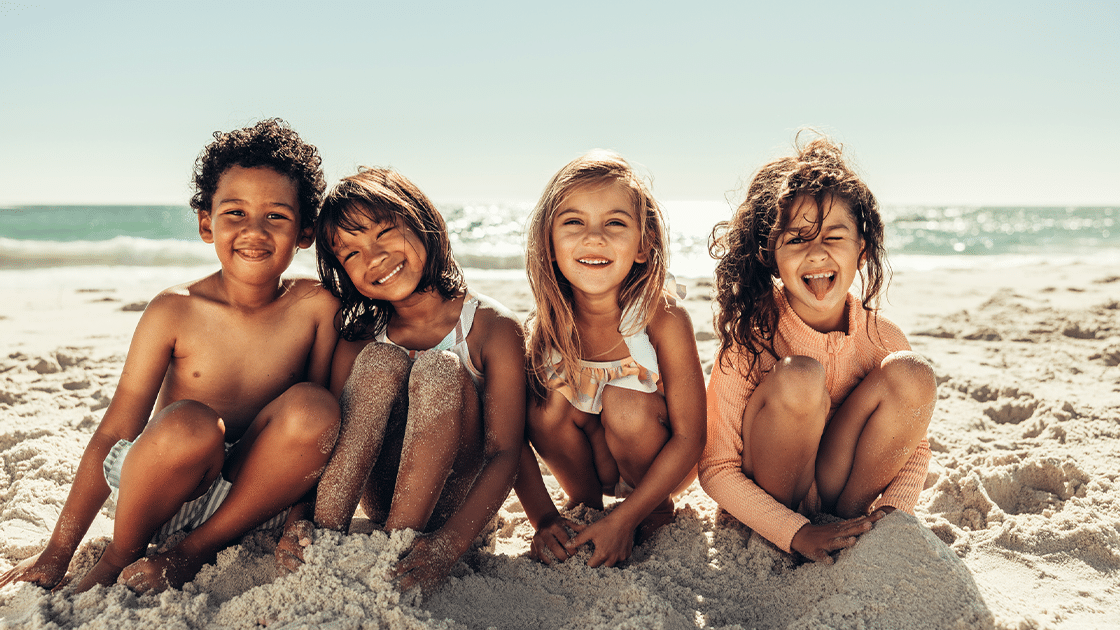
(389, 276)
(595, 262)
(253, 254)
(819, 283)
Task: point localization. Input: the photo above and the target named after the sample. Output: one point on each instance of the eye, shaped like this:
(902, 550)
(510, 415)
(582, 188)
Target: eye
(572, 221)
(278, 215)
(386, 231)
(794, 240)
(234, 213)
(617, 222)
(344, 257)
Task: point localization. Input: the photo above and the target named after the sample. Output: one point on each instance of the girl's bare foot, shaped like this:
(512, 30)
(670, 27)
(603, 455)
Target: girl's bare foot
(170, 569)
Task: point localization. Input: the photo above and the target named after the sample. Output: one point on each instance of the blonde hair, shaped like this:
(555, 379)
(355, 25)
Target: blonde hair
(551, 325)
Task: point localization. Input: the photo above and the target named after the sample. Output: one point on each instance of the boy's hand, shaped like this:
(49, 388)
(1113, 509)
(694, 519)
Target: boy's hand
(817, 542)
(289, 549)
(551, 537)
(426, 564)
(43, 569)
(613, 543)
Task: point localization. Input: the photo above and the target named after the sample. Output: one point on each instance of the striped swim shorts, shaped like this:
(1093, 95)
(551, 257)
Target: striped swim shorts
(193, 513)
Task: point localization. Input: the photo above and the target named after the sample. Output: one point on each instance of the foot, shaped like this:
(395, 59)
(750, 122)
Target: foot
(106, 571)
(661, 516)
(170, 569)
(289, 550)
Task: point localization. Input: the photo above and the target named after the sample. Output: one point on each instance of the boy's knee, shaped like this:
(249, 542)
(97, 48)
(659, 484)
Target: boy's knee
(799, 384)
(186, 428)
(307, 411)
(911, 377)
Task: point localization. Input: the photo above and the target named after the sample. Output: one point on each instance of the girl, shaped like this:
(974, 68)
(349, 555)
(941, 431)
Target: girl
(816, 402)
(614, 368)
(431, 377)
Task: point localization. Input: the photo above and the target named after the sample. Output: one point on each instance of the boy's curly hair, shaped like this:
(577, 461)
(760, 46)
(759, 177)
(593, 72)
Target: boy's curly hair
(744, 246)
(270, 143)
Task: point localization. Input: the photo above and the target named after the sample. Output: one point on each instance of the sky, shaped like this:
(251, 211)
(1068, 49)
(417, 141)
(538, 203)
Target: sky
(981, 103)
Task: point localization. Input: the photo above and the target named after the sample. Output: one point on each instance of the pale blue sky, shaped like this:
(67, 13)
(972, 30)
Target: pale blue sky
(952, 102)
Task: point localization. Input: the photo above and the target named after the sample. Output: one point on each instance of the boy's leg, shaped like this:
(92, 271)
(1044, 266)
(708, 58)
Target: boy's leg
(442, 447)
(175, 460)
(874, 432)
(376, 381)
(277, 461)
(561, 434)
(782, 427)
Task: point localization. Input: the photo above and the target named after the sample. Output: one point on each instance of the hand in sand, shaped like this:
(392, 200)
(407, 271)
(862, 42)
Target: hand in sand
(817, 542)
(170, 569)
(42, 569)
(426, 564)
(613, 543)
(289, 549)
(551, 537)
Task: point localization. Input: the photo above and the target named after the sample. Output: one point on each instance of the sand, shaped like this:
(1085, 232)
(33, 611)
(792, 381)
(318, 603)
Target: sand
(1019, 526)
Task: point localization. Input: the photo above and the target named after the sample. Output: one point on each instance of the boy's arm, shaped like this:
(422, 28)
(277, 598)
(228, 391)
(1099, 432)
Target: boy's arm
(326, 336)
(128, 412)
(673, 338)
(503, 418)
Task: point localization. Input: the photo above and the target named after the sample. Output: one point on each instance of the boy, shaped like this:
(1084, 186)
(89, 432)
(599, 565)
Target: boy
(235, 365)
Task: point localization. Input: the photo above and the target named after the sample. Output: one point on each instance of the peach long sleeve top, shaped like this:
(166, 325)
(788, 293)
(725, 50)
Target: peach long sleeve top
(847, 357)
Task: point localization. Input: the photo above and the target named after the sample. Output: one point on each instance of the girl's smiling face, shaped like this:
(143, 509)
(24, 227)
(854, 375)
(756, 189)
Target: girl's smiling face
(385, 261)
(818, 256)
(597, 238)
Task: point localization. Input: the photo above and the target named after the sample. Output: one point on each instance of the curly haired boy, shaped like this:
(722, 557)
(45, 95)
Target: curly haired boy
(235, 366)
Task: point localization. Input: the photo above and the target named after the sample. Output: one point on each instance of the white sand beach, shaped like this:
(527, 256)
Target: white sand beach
(1019, 526)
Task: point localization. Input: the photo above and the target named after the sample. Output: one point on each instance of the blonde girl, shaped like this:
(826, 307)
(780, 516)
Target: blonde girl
(617, 389)
(815, 404)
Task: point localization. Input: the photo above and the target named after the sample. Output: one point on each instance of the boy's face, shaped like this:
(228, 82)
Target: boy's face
(253, 223)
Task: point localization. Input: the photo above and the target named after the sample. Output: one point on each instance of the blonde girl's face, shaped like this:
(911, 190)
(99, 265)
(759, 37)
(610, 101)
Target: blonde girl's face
(818, 267)
(384, 260)
(597, 238)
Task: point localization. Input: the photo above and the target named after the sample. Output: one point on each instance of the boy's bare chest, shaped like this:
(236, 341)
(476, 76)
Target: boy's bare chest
(238, 364)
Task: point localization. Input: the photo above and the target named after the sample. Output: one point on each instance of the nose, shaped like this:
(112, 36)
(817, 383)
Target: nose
(816, 248)
(593, 234)
(255, 225)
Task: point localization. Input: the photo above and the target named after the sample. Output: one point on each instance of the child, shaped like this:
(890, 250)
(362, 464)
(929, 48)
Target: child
(815, 403)
(235, 365)
(618, 384)
(431, 377)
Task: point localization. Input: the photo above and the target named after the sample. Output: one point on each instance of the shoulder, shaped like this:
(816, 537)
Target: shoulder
(883, 332)
(494, 322)
(308, 293)
(670, 318)
(181, 298)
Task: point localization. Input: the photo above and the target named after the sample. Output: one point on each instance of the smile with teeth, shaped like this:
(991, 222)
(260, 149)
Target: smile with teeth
(390, 275)
(819, 283)
(594, 261)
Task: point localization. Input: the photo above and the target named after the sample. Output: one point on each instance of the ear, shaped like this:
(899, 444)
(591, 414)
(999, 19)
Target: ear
(642, 257)
(205, 229)
(306, 237)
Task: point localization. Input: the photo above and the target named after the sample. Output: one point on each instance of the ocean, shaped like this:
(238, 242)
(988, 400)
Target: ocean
(488, 239)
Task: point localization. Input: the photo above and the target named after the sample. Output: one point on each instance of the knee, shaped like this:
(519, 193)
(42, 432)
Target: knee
(377, 365)
(631, 416)
(799, 385)
(186, 430)
(910, 377)
(308, 413)
(552, 415)
(438, 381)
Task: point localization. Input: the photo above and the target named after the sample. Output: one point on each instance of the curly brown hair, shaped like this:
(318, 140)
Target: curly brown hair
(381, 195)
(744, 246)
(270, 143)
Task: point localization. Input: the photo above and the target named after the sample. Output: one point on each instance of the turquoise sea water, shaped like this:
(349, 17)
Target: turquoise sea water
(490, 236)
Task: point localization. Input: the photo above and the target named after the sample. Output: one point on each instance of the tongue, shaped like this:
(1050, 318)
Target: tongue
(819, 286)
